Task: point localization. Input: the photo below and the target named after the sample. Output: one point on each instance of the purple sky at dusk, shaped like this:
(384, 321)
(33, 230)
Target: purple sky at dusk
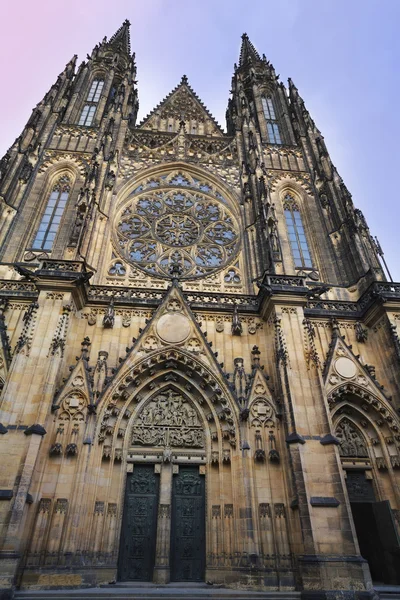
(343, 55)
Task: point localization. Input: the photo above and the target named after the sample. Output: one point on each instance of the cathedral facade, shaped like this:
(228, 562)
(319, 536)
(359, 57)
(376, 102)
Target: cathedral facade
(199, 357)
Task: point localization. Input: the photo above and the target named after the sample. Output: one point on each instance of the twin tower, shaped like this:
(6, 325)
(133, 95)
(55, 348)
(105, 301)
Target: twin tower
(199, 355)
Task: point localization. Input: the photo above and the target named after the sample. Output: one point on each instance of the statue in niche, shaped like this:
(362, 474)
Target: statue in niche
(168, 420)
(351, 441)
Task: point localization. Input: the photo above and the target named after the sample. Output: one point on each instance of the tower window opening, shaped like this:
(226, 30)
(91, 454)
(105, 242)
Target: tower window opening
(51, 219)
(297, 237)
(92, 100)
(170, 127)
(274, 136)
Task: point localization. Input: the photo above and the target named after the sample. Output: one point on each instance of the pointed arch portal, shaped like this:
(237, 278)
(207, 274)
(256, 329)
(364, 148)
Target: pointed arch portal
(362, 434)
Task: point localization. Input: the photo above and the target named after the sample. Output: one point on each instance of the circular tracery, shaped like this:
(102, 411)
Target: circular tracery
(173, 228)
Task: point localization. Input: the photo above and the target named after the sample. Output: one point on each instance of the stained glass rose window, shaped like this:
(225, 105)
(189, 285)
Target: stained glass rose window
(185, 229)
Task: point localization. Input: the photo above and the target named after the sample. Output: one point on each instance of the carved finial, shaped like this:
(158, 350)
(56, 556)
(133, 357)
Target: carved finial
(184, 79)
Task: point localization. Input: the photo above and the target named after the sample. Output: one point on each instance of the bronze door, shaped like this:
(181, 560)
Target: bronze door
(139, 525)
(188, 526)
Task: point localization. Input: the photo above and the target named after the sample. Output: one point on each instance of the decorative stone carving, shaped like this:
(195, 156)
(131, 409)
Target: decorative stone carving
(237, 327)
(351, 441)
(279, 510)
(216, 511)
(61, 505)
(45, 505)
(228, 511)
(109, 317)
(264, 510)
(99, 508)
(168, 420)
(112, 509)
(164, 511)
(262, 414)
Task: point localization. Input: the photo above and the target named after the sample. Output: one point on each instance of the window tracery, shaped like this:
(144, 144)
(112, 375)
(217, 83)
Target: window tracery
(169, 226)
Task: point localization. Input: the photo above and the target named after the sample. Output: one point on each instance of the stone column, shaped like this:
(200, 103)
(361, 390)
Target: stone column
(161, 566)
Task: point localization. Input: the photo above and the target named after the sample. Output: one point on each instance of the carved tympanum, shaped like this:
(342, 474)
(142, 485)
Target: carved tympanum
(168, 420)
(351, 441)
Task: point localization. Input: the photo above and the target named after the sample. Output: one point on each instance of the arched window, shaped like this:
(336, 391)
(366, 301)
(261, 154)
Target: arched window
(92, 100)
(297, 237)
(50, 222)
(274, 136)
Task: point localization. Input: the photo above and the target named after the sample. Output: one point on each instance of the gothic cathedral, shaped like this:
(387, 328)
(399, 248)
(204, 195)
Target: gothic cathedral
(199, 347)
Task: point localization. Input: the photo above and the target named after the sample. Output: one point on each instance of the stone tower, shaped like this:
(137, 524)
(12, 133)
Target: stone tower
(199, 356)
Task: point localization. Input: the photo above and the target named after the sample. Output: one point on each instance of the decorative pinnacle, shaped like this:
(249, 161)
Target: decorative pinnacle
(248, 53)
(184, 79)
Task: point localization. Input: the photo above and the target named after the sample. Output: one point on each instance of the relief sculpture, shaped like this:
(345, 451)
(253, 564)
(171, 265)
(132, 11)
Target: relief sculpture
(168, 420)
(351, 441)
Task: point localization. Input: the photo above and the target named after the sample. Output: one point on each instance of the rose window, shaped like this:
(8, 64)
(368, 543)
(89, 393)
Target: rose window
(180, 230)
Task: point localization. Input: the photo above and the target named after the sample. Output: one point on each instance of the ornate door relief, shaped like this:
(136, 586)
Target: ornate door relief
(188, 526)
(138, 535)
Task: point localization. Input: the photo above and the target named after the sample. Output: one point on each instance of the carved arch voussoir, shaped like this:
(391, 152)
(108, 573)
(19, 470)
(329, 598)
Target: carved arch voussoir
(378, 411)
(173, 368)
(54, 164)
(288, 182)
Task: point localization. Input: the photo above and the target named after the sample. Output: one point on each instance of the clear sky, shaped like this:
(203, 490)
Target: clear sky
(343, 55)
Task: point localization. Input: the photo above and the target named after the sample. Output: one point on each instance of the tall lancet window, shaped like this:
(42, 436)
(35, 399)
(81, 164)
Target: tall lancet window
(50, 222)
(274, 136)
(92, 100)
(297, 236)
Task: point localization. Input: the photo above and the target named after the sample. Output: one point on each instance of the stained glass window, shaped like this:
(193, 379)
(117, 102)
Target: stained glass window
(50, 222)
(297, 236)
(88, 111)
(274, 136)
(177, 226)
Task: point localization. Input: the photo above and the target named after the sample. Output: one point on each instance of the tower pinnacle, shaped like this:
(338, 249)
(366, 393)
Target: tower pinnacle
(248, 53)
(121, 39)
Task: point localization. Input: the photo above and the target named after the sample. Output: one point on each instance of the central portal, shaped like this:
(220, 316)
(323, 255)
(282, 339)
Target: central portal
(188, 526)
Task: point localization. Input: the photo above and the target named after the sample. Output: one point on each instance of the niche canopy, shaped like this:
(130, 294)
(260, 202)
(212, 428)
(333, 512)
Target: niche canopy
(177, 222)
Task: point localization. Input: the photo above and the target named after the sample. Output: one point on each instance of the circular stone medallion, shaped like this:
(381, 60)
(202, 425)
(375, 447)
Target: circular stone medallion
(345, 367)
(173, 328)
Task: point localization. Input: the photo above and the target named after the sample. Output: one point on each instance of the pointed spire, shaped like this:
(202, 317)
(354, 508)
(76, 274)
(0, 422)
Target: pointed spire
(248, 53)
(121, 40)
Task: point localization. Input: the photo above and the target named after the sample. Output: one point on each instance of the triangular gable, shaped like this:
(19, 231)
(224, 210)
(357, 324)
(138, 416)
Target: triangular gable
(183, 104)
(343, 367)
(174, 325)
(261, 405)
(77, 384)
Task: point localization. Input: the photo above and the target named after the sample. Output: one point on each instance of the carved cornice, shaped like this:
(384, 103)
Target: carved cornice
(273, 287)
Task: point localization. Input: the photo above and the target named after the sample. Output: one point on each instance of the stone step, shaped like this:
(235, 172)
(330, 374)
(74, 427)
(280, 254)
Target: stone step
(388, 592)
(129, 591)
